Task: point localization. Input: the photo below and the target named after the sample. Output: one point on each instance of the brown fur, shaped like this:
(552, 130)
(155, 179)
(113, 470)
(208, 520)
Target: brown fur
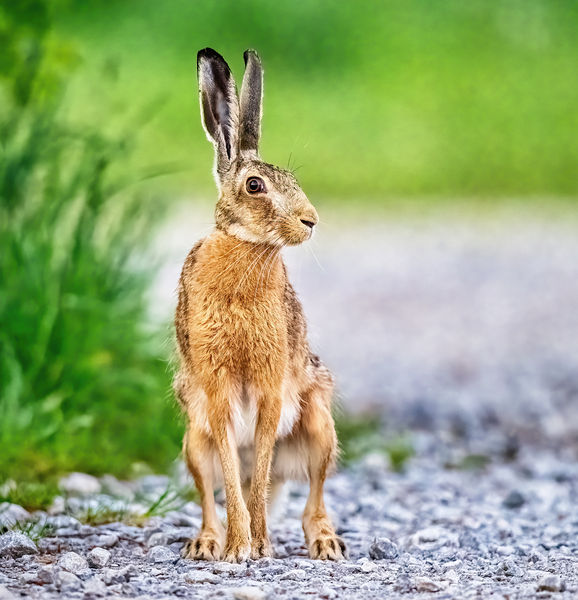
(257, 401)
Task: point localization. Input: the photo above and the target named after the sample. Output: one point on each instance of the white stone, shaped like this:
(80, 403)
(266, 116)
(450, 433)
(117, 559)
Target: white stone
(6, 594)
(202, 577)
(73, 563)
(80, 484)
(425, 584)
(159, 554)
(98, 557)
(551, 583)
(10, 514)
(249, 592)
(95, 587)
(16, 544)
(296, 574)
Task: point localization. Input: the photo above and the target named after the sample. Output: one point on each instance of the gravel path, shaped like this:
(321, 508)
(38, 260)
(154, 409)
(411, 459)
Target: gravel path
(430, 532)
(463, 334)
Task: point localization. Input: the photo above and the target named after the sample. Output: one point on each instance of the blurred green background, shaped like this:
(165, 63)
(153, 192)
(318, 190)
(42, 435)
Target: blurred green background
(377, 103)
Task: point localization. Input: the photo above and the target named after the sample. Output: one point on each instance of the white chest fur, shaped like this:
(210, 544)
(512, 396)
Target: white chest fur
(245, 418)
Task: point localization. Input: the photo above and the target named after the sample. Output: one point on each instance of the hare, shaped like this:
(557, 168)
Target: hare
(256, 399)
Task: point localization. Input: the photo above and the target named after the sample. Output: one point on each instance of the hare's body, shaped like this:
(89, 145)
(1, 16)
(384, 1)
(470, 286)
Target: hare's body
(236, 303)
(257, 401)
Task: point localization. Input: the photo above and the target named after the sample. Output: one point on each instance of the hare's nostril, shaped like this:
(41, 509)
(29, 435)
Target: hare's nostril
(309, 224)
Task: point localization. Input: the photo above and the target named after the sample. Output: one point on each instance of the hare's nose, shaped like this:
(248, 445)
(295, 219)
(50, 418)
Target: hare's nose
(309, 224)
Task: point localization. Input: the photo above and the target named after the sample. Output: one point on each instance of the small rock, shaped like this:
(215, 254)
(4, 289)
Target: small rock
(116, 488)
(159, 538)
(6, 594)
(510, 568)
(107, 540)
(63, 522)
(366, 566)
(80, 484)
(514, 500)
(66, 580)
(428, 535)
(551, 583)
(114, 576)
(73, 563)
(383, 548)
(98, 558)
(10, 514)
(95, 587)
(249, 592)
(16, 544)
(45, 575)
(425, 584)
(202, 577)
(158, 554)
(229, 568)
(296, 574)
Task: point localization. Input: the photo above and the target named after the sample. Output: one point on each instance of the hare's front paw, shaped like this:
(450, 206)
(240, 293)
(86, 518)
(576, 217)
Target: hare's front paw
(261, 548)
(238, 546)
(328, 548)
(206, 547)
(322, 541)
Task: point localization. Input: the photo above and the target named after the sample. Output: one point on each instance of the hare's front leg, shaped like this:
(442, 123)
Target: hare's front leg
(269, 413)
(198, 453)
(319, 431)
(238, 542)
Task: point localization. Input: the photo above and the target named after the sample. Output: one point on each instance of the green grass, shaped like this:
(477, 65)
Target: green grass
(84, 372)
(374, 99)
(360, 435)
(32, 495)
(35, 529)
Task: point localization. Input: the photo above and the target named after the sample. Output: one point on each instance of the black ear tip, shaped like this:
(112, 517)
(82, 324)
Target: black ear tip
(249, 52)
(209, 54)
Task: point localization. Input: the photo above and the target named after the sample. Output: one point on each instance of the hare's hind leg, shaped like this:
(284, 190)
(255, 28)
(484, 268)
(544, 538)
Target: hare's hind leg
(198, 452)
(318, 431)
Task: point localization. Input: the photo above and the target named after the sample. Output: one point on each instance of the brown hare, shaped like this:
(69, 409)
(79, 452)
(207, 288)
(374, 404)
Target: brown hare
(257, 400)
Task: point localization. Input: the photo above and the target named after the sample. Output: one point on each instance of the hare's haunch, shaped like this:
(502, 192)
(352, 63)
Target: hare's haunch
(257, 401)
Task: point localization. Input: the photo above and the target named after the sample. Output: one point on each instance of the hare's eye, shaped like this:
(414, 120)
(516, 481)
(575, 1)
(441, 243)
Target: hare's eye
(255, 185)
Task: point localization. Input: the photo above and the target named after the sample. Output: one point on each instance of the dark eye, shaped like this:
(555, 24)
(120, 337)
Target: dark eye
(255, 185)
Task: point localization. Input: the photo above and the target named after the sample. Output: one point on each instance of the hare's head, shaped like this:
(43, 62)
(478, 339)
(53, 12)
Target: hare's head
(258, 202)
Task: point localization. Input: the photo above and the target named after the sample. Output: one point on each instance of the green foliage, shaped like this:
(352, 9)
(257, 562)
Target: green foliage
(35, 529)
(32, 495)
(374, 99)
(84, 386)
(361, 435)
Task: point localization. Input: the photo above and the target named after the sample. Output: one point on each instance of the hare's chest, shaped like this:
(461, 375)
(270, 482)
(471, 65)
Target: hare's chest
(246, 414)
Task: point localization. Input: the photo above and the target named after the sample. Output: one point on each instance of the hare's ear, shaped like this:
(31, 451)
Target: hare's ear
(251, 101)
(219, 106)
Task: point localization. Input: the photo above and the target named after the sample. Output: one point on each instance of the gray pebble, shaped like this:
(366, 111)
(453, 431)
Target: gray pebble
(248, 592)
(202, 577)
(80, 484)
(159, 554)
(296, 574)
(114, 576)
(98, 557)
(551, 583)
(15, 544)
(383, 548)
(65, 580)
(73, 563)
(10, 514)
(95, 587)
(6, 594)
(514, 500)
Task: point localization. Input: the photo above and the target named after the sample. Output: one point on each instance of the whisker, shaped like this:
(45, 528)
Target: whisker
(263, 269)
(251, 268)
